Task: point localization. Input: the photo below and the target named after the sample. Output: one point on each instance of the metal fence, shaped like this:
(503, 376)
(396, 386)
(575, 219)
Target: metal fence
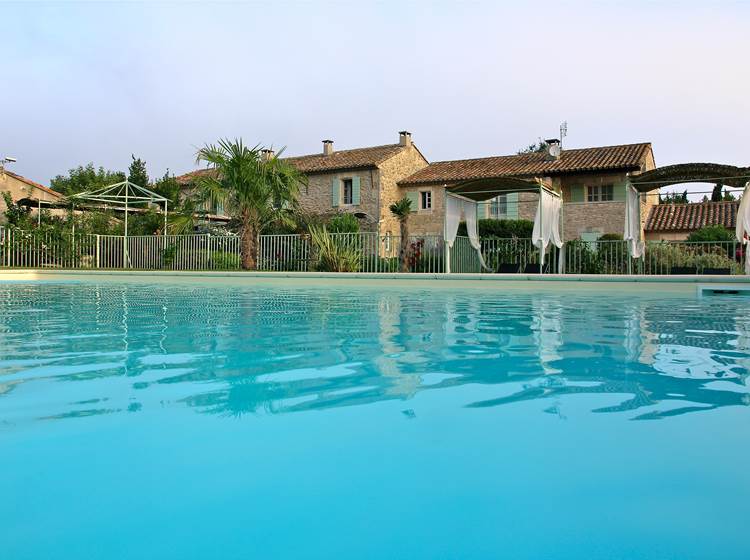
(374, 253)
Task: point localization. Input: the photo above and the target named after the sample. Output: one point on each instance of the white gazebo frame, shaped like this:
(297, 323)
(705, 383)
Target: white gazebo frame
(122, 196)
(482, 190)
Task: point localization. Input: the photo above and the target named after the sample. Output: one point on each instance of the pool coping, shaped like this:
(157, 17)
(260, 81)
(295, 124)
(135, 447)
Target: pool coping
(40, 274)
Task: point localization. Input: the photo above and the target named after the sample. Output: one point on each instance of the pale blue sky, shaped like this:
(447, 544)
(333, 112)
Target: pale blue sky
(97, 82)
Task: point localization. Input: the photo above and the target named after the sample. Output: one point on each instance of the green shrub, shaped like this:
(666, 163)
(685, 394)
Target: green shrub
(711, 233)
(503, 229)
(611, 237)
(343, 223)
(662, 257)
(223, 260)
(333, 255)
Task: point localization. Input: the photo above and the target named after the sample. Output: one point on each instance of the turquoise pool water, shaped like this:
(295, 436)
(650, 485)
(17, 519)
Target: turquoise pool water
(179, 421)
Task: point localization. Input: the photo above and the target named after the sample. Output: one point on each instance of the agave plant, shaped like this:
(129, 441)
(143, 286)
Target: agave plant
(332, 255)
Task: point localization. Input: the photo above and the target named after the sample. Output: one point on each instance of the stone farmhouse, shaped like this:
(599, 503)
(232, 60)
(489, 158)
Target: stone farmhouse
(366, 181)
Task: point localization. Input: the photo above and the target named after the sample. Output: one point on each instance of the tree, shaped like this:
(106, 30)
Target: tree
(168, 187)
(86, 178)
(535, 148)
(674, 198)
(716, 193)
(15, 214)
(401, 209)
(137, 173)
(255, 188)
(711, 233)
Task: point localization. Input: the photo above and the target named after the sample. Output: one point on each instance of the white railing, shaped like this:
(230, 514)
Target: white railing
(374, 253)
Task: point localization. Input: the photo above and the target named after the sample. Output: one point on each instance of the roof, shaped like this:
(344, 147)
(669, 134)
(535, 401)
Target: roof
(692, 216)
(33, 184)
(345, 159)
(626, 157)
(356, 158)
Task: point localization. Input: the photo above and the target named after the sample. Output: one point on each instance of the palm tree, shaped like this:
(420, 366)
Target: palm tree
(254, 185)
(401, 209)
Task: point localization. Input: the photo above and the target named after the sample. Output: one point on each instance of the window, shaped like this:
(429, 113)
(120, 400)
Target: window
(499, 207)
(348, 192)
(425, 200)
(600, 193)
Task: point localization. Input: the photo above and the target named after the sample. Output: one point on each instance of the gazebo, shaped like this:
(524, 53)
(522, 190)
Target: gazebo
(123, 196)
(464, 198)
(642, 184)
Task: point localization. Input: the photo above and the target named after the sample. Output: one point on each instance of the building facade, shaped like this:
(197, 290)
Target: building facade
(23, 189)
(366, 181)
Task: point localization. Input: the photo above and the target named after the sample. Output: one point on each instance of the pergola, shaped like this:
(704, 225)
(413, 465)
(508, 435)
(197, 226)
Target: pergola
(465, 197)
(123, 196)
(720, 174)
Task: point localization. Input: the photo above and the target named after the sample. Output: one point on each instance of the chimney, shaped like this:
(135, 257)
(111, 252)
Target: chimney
(553, 149)
(266, 154)
(327, 147)
(404, 138)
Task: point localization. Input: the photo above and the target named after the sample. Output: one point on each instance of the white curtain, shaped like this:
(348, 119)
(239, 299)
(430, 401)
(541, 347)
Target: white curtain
(470, 214)
(742, 229)
(633, 225)
(547, 223)
(453, 207)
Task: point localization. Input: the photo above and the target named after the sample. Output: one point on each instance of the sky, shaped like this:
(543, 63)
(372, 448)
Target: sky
(97, 82)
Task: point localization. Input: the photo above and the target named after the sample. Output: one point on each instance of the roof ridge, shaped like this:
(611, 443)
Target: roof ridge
(348, 150)
(643, 144)
(31, 183)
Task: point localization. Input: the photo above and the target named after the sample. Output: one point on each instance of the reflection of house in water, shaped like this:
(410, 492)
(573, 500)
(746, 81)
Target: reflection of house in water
(236, 351)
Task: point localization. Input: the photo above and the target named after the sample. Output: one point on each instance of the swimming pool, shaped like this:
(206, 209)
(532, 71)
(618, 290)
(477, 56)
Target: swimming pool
(298, 421)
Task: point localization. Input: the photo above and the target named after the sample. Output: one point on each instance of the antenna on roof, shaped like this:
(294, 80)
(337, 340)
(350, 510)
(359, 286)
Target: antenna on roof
(5, 160)
(563, 131)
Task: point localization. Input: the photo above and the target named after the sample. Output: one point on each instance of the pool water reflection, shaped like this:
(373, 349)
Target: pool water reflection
(400, 423)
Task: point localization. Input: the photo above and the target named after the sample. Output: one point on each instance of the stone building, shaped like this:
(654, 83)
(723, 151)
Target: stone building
(591, 180)
(366, 181)
(21, 188)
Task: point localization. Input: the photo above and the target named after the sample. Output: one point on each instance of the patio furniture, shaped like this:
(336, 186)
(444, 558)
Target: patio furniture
(509, 268)
(683, 270)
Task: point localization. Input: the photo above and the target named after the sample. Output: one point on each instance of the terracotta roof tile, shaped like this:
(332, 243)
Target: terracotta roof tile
(692, 216)
(33, 184)
(345, 159)
(624, 157)
(319, 163)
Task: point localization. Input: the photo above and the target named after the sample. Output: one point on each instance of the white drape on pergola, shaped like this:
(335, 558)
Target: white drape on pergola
(742, 228)
(546, 222)
(454, 208)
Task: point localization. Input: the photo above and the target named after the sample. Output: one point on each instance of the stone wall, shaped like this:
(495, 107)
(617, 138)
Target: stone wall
(407, 162)
(19, 189)
(316, 198)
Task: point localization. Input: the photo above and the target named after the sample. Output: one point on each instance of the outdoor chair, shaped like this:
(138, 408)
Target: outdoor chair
(717, 271)
(508, 268)
(683, 270)
(533, 268)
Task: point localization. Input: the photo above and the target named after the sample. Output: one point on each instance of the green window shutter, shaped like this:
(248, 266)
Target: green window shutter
(414, 197)
(335, 192)
(512, 205)
(576, 193)
(355, 191)
(618, 192)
